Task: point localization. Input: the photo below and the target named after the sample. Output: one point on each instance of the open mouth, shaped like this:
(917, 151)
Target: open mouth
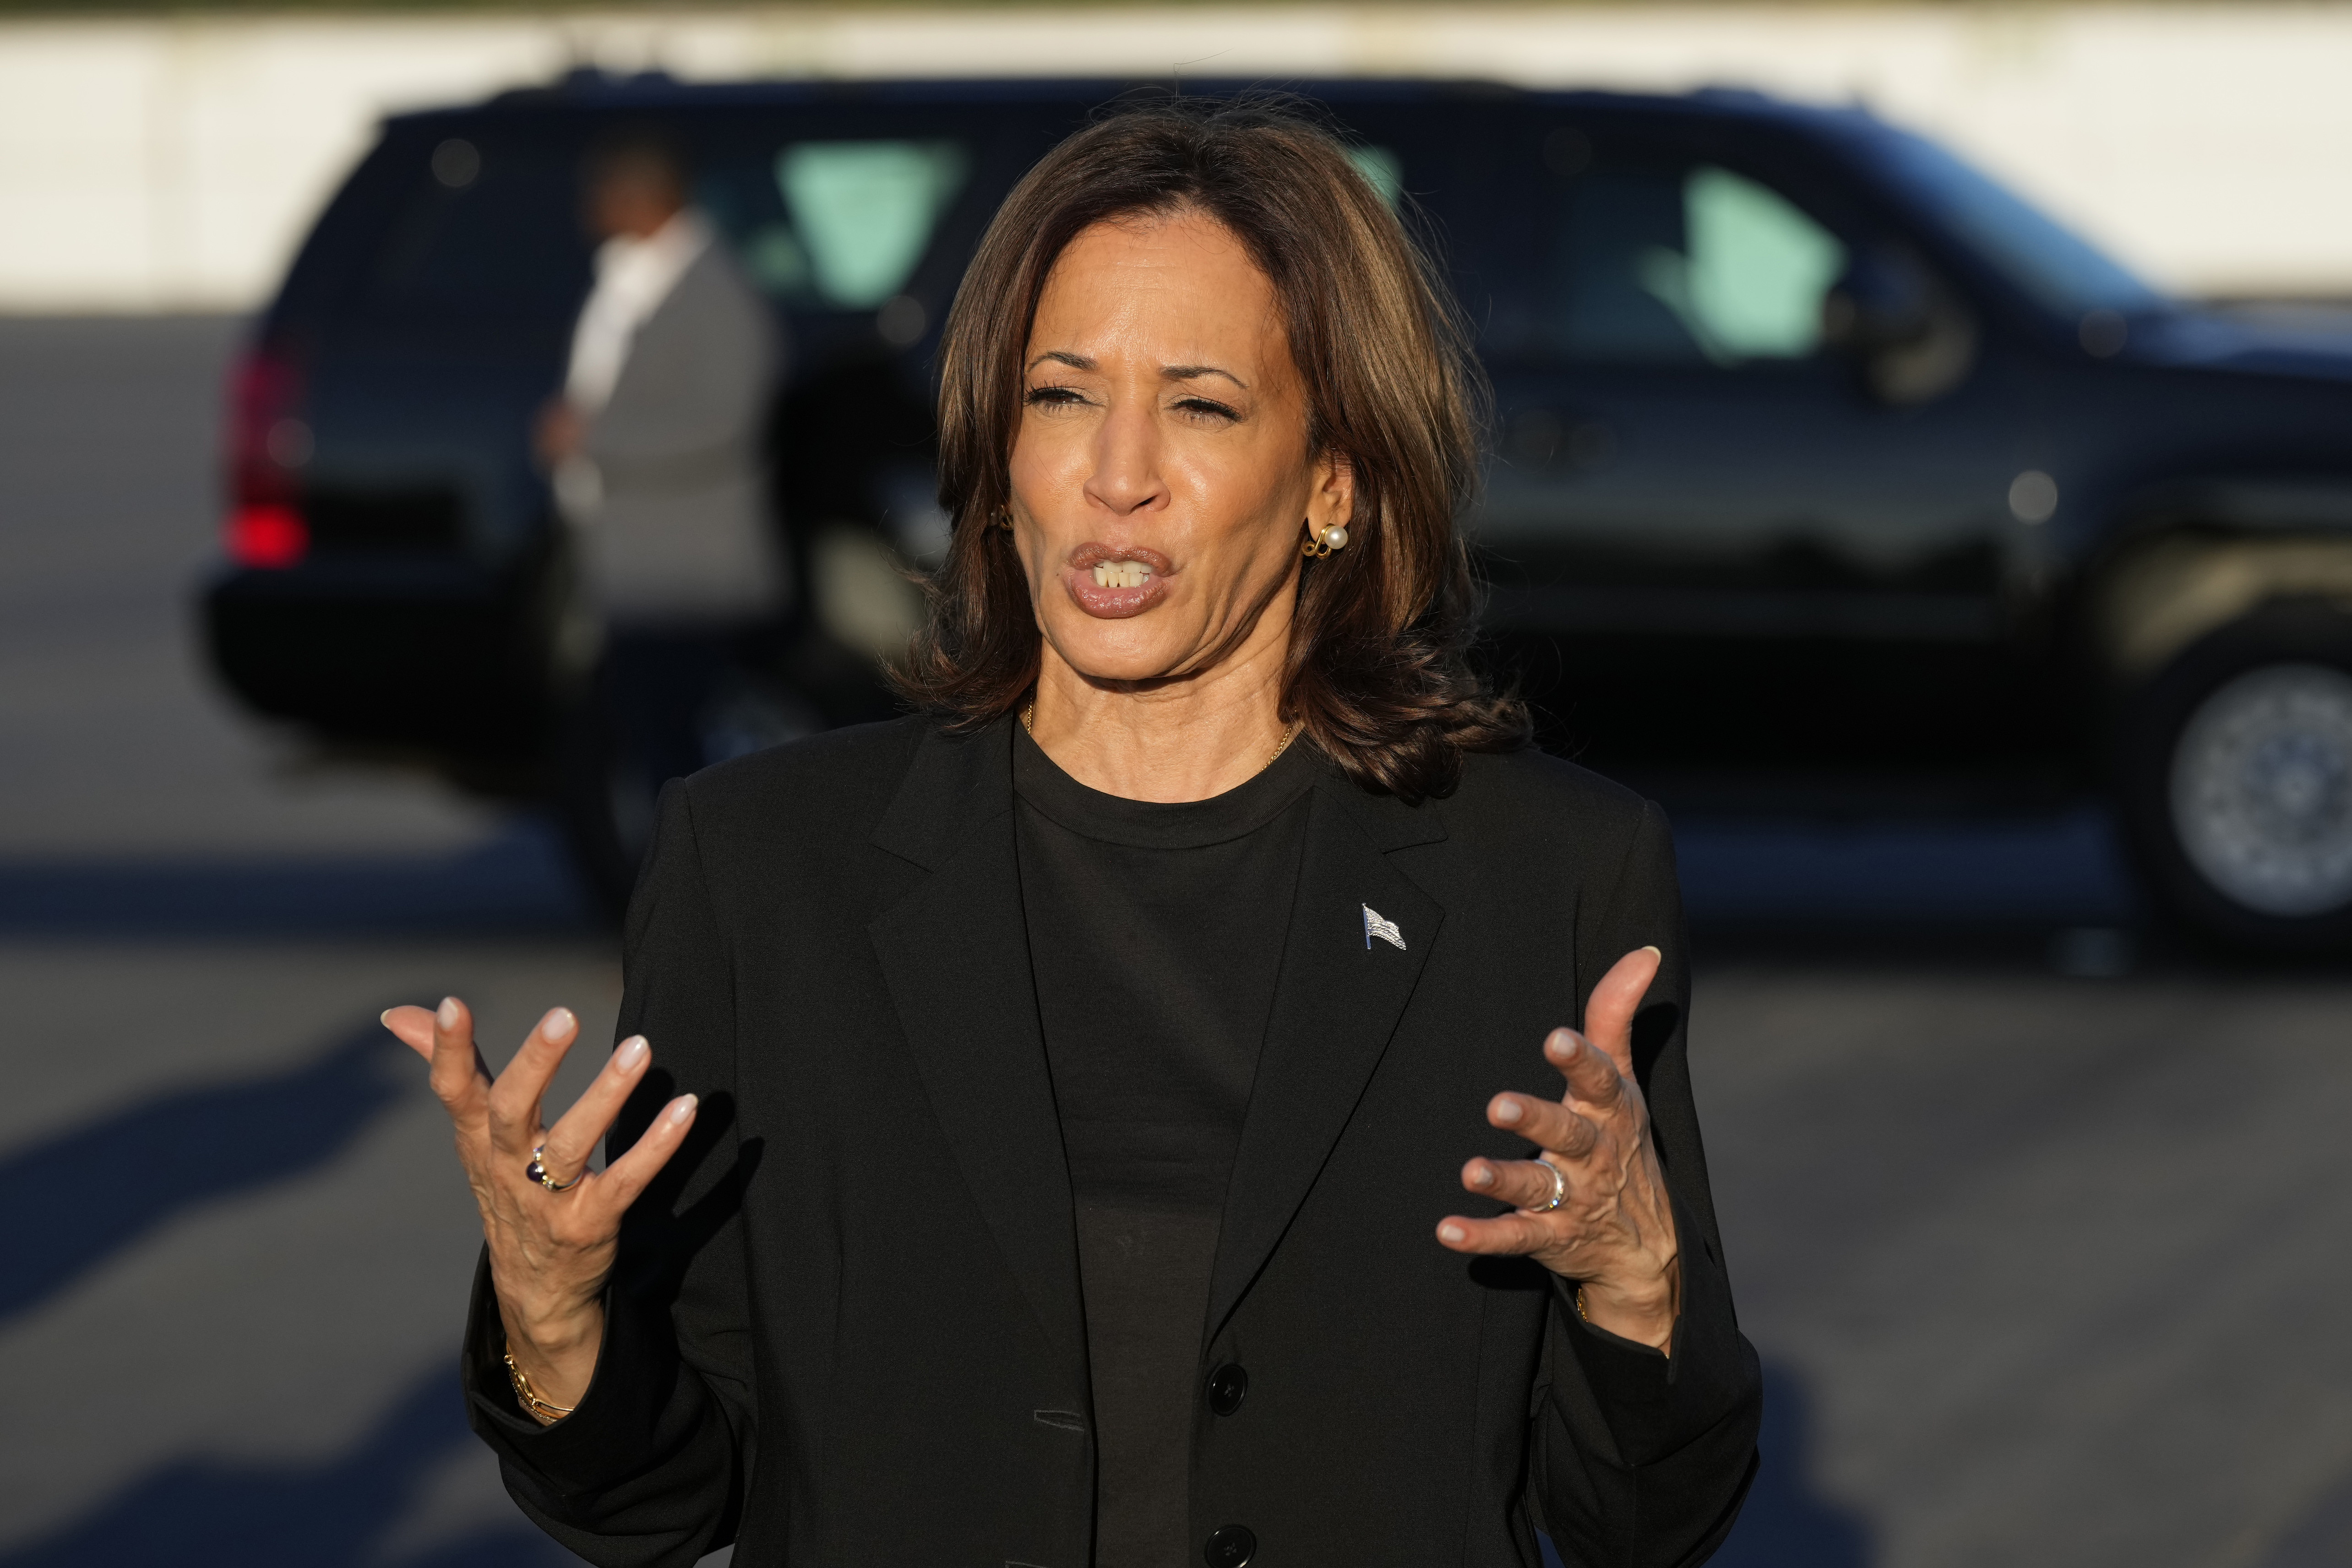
(1113, 584)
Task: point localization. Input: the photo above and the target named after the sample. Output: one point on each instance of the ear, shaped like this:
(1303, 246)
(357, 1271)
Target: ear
(1334, 497)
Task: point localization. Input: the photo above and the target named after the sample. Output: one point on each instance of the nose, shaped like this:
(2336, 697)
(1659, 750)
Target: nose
(1125, 478)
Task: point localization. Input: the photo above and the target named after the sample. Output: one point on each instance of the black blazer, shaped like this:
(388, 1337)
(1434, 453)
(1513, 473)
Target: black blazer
(847, 1329)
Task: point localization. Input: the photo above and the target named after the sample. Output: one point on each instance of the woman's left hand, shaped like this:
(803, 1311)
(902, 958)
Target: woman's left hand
(1613, 1229)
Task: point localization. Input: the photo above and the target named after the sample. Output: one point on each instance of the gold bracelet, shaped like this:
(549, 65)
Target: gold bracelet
(545, 1412)
(1581, 1313)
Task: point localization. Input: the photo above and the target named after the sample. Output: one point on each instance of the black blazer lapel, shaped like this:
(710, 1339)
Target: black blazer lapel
(956, 954)
(1341, 990)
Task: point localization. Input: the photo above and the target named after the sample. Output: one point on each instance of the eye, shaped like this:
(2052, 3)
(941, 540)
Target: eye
(1055, 397)
(1208, 408)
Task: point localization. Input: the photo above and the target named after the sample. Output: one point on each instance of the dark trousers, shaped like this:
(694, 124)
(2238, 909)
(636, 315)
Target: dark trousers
(659, 690)
(662, 705)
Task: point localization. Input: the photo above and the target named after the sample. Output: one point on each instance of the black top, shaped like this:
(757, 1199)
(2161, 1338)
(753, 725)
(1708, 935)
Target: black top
(847, 1324)
(1155, 937)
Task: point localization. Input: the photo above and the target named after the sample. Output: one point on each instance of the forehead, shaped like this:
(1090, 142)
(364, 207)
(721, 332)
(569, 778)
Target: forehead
(1183, 276)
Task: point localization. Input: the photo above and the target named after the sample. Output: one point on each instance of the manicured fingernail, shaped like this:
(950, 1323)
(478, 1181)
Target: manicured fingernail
(385, 1018)
(1484, 1176)
(682, 1108)
(1652, 949)
(448, 1013)
(1559, 1042)
(632, 1052)
(1507, 1110)
(557, 1020)
(1449, 1232)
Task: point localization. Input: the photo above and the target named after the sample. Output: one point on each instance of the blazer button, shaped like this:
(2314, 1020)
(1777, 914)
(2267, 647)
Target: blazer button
(1230, 1547)
(1228, 1386)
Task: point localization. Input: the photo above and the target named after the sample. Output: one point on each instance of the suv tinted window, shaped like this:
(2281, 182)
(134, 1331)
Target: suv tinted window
(1684, 264)
(2059, 268)
(488, 226)
(1382, 167)
(836, 225)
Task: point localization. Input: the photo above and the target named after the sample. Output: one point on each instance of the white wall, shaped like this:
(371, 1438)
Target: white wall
(173, 162)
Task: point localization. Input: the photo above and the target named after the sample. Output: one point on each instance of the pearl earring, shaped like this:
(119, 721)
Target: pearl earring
(1318, 546)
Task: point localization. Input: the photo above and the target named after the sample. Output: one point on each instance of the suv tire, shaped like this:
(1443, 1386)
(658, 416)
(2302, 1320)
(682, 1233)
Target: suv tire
(2236, 782)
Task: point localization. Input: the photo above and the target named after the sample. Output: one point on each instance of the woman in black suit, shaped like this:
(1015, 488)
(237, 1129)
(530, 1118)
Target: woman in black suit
(1038, 1118)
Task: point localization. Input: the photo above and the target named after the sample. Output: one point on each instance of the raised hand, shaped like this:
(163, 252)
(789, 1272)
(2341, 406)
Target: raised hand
(553, 1225)
(1592, 1207)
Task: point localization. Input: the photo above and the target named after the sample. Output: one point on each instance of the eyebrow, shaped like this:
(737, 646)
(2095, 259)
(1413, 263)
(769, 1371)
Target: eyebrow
(1194, 373)
(1168, 372)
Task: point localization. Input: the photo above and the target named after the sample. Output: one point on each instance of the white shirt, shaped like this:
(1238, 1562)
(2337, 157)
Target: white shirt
(633, 277)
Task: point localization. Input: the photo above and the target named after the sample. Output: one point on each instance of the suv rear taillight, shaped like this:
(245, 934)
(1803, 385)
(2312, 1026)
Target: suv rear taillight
(266, 536)
(269, 445)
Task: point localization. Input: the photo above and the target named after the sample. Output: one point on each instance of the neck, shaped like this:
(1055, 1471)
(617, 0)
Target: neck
(1186, 739)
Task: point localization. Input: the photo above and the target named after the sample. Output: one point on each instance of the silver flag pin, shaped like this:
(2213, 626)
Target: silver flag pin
(1385, 930)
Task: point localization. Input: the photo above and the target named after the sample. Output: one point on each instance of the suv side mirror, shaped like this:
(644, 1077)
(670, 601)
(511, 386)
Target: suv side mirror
(1908, 339)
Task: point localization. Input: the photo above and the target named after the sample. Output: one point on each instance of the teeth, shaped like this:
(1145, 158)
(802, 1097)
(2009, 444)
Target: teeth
(1122, 575)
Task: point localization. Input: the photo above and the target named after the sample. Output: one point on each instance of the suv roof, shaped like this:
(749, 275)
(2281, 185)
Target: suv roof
(654, 90)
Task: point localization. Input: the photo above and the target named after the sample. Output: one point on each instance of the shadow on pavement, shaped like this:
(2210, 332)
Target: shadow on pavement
(1786, 1524)
(330, 1515)
(518, 881)
(2321, 1538)
(70, 1203)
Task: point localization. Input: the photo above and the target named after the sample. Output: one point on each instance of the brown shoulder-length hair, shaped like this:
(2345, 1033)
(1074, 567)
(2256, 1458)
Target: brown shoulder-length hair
(1377, 668)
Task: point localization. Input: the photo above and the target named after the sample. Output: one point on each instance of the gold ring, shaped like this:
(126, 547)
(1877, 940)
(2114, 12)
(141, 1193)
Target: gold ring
(537, 1172)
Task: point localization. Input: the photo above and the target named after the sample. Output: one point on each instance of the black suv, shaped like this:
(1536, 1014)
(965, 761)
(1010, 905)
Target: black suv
(1816, 452)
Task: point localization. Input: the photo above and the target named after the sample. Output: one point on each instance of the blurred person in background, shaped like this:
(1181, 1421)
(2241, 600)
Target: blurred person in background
(655, 446)
(1057, 1150)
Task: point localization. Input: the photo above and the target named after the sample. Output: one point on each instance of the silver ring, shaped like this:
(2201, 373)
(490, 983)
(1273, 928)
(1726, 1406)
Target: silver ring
(537, 1172)
(1559, 1190)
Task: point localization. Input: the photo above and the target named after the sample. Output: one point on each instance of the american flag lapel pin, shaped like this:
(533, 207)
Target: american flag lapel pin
(1385, 930)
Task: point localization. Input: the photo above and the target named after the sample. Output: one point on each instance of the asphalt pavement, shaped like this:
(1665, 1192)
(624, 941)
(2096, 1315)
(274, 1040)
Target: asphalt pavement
(2039, 1222)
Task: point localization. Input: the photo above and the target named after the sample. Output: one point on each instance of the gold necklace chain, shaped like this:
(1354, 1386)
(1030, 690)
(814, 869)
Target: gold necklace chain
(1288, 735)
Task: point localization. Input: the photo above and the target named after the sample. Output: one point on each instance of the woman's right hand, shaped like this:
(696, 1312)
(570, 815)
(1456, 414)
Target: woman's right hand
(551, 1252)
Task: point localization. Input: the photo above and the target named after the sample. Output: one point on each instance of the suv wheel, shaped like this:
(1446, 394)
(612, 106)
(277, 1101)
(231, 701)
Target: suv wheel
(2238, 781)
